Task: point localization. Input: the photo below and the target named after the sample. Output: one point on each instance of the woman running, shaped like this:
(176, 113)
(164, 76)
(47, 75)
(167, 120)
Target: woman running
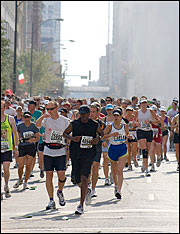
(117, 152)
(132, 143)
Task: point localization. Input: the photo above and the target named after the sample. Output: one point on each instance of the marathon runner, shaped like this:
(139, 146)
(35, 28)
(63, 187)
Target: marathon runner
(8, 127)
(82, 150)
(117, 132)
(54, 151)
(28, 136)
(144, 131)
(175, 128)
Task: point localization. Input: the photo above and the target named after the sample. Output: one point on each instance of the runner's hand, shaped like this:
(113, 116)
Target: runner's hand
(46, 115)
(76, 138)
(115, 134)
(104, 144)
(95, 141)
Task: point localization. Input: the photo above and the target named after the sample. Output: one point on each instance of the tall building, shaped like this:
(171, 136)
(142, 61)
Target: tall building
(145, 42)
(50, 31)
(145, 49)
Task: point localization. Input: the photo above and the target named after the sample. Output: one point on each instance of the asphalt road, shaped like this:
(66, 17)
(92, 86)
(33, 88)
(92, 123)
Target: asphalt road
(148, 205)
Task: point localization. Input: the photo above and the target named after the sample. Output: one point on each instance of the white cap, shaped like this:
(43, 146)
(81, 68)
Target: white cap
(19, 107)
(153, 107)
(162, 108)
(143, 100)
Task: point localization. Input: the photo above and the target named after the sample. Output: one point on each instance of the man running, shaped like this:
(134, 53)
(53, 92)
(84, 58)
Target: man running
(54, 150)
(82, 150)
(8, 127)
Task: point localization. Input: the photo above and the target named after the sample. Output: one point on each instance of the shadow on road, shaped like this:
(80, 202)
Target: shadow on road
(107, 202)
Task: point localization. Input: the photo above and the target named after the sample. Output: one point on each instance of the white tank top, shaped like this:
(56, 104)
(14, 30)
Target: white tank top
(142, 117)
(120, 139)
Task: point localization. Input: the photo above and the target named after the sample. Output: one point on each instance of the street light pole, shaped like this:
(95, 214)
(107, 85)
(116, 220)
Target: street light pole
(15, 48)
(30, 91)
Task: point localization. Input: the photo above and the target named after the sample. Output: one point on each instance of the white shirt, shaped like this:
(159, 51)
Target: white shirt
(53, 128)
(11, 111)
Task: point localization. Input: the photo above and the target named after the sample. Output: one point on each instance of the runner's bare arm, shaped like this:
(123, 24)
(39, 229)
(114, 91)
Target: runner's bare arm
(14, 130)
(66, 134)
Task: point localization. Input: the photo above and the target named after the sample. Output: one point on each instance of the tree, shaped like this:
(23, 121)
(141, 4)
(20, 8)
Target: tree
(43, 77)
(6, 60)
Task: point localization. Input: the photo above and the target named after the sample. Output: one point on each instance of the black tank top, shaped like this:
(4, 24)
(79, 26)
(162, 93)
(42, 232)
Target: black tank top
(83, 129)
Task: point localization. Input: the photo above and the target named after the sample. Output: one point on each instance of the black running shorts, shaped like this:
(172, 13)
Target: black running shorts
(176, 138)
(27, 149)
(148, 135)
(6, 156)
(81, 167)
(57, 163)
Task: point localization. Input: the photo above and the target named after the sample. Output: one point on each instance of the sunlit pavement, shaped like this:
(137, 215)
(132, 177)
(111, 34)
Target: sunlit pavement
(149, 204)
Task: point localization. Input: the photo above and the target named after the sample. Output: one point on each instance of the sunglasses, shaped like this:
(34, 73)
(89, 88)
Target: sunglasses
(26, 117)
(50, 108)
(108, 100)
(36, 99)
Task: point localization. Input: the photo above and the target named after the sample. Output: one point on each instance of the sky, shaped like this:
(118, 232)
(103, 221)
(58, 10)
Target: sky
(85, 22)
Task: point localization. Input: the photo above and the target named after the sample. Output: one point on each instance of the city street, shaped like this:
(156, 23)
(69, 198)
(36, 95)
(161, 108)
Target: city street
(149, 204)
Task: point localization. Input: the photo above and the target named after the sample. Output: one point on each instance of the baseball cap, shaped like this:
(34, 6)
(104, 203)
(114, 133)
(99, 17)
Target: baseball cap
(42, 107)
(84, 109)
(109, 106)
(162, 108)
(129, 108)
(19, 107)
(175, 100)
(63, 110)
(46, 102)
(153, 107)
(32, 102)
(142, 100)
(27, 113)
(117, 112)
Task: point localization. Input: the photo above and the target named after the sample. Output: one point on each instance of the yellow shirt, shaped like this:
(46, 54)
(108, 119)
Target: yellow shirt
(6, 135)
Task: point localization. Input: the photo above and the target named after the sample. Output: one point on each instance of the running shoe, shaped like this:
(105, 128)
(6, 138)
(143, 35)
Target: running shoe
(25, 186)
(88, 197)
(118, 195)
(61, 198)
(51, 205)
(147, 173)
(130, 168)
(106, 182)
(16, 165)
(136, 164)
(152, 168)
(142, 169)
(93, 193)
(79, 210)
(138, 157)
(158, 163)
(42, 174)
(7, 192)
(166, 159)
(115, 190)
(19, 182)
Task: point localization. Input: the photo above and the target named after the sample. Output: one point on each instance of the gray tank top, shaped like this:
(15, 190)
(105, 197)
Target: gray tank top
(142, 117)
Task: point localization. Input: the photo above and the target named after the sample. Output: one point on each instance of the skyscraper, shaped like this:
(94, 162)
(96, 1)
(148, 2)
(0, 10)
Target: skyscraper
(50, 31)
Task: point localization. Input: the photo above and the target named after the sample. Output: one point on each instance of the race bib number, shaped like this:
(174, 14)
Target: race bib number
(144, 125)
(4, 146)
(86, 142)
(28, 135)
(155, 132)
(133, 134)
(57, 137)
(120, 138)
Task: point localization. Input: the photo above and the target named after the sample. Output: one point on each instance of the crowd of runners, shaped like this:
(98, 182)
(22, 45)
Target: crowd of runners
(80, 133)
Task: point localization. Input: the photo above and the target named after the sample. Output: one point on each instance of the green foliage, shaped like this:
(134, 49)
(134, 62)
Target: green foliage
(6, 60)
(43, 77)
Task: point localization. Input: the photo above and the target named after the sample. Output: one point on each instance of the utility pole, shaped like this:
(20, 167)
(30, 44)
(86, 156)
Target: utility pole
(15, 49)
(30, 90)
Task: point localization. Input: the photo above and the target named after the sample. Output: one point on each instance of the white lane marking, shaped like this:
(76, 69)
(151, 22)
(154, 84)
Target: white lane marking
(151, 197)
(165, 228)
